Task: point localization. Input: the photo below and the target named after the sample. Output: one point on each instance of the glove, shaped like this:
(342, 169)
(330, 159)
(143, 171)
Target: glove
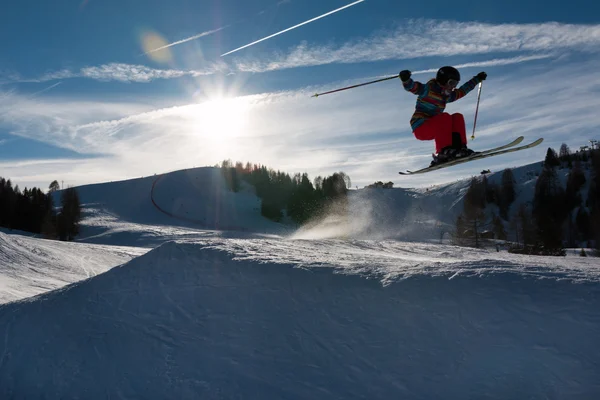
(405, 75)
(481, 76)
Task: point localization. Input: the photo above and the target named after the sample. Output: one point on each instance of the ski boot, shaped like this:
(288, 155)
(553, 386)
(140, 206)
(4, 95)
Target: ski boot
(445, 155)
(461, 149)
(451, 153)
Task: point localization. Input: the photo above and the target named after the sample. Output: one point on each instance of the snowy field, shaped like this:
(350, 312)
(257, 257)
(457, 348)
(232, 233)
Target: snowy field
(150, 305)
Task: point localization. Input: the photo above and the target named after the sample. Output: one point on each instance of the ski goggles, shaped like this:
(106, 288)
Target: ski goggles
(452, 83)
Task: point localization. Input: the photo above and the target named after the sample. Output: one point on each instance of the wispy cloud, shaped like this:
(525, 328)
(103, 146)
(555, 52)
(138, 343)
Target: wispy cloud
(294, 27)
(370, 140)
(414, 39)
(423, 38)
(125, 73)
(8, 98)
(496, 62)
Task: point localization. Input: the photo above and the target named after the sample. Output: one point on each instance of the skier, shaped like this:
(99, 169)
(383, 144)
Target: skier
(430, 122)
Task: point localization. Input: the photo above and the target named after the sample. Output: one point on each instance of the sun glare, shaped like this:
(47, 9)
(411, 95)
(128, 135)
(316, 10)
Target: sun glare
(220, 120)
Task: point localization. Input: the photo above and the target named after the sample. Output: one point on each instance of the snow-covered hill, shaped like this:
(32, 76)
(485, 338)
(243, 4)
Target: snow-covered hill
(147, 211)
(262, 318)
(218, 302)
(189, 203)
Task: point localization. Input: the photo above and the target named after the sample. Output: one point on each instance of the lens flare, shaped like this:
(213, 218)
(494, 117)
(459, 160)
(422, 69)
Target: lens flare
(151, 41)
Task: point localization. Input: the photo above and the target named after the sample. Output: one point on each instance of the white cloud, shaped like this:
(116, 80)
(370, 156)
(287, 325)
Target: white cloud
(125, 73)
(364, 132)
(413, 39)
(423, 38)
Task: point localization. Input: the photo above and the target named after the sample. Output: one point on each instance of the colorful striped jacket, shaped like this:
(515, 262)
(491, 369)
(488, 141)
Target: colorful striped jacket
(432, 98)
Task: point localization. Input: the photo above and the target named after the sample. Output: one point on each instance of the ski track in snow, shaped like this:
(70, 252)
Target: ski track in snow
(30, 266)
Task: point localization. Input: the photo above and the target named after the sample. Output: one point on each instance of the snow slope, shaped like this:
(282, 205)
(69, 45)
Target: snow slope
(218, 302)
(297, 319)
(196, 203)
(30, 266)
(147, 211)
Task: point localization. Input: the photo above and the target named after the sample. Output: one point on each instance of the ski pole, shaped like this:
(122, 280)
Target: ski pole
(476, 109)
(354, 86)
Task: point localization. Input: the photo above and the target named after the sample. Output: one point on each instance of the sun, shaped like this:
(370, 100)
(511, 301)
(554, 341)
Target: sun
(221, 118)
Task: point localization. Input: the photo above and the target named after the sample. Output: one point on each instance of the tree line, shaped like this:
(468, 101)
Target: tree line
(32, 210)
(293, 196)
(560, 215)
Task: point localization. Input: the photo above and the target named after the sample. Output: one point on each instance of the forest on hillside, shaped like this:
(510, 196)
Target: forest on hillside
(559, 215)
(32, 210)
(295, 197)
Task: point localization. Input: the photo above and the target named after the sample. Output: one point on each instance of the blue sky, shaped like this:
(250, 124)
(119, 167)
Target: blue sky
(84, 98)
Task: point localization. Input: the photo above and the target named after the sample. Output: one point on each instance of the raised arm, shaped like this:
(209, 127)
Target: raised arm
(467, 87)
(410, 85)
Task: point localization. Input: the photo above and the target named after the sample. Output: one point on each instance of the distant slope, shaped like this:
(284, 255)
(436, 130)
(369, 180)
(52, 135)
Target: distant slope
(190, 200)
(149, 211)
(429, 214)
(233, 319)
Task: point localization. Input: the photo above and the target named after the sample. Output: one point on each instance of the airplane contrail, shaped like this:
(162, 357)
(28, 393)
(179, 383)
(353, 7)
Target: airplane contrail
(31, 96)
(188, 39)
(45, 90)
(293, 27)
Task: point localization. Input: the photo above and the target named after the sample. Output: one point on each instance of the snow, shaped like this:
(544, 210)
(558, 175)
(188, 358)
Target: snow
(148, 305)
(147, 211)
(30, 266)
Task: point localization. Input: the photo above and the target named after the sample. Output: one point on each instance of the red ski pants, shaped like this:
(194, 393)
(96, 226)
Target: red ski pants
(440, 128)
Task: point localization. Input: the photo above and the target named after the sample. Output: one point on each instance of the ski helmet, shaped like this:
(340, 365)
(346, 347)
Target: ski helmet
(446, 73)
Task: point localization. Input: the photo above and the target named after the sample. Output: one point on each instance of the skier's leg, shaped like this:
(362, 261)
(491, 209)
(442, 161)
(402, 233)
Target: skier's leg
(459, 136)
(437, 128)
(459, 131)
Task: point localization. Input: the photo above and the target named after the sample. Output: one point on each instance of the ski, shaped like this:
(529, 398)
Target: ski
(507, 148)
(453, 162)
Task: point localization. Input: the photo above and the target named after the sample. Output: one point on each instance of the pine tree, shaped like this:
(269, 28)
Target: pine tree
(575, 181)
(595, 222)
(549, 209)
(70, 215)
(551, 159)
(303, 202)
(499, 232)
(472, 221)
(490, 190)
(336, 185)
(507, 193)
(475, 196)
(522, 223)
(593, 201)
(583, 224)
(460, 236)
(54, 186)
(231, 176)
(564, 153)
